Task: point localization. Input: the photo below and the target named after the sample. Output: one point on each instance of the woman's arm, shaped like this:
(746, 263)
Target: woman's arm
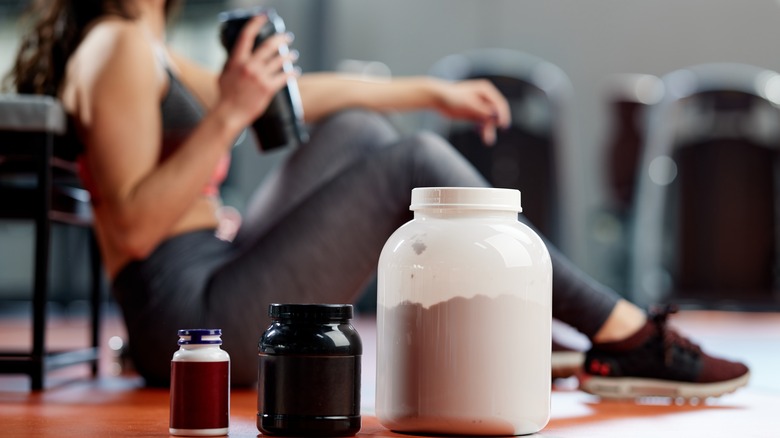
(475, 100)
(120, 123)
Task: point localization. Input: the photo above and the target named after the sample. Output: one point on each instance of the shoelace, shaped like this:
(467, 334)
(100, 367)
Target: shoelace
(659, 315)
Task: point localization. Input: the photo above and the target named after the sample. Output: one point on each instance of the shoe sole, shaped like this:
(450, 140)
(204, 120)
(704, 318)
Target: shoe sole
(566, 363)
(634, 387)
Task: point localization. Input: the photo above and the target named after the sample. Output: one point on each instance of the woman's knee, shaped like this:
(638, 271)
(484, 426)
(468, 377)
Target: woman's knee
(437, 162)
(368, 129)
(432, 143)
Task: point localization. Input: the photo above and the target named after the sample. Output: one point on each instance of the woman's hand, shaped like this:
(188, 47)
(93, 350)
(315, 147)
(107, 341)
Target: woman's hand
(250, 78)
(477, 100)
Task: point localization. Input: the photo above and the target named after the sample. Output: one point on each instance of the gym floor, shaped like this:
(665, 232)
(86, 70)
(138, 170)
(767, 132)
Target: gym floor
(117, 404)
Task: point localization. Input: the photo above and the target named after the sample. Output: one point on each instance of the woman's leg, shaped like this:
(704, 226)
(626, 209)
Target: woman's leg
(315, 235)
(326, 244)
(336, 144)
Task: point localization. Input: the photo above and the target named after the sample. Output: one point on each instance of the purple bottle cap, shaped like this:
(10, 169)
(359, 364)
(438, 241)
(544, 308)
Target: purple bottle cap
(200, 336)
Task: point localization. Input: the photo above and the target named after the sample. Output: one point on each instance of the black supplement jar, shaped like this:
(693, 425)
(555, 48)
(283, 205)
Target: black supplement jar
(282, 123)
(309, 372)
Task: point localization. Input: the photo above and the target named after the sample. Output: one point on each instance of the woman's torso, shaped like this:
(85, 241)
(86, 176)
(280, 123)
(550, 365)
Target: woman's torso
(181, 111)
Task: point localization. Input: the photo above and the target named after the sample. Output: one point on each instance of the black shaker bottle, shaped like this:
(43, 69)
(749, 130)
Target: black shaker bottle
(282, 123)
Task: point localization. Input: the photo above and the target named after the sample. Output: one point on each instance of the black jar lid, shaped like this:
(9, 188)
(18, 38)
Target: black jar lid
(311, 312)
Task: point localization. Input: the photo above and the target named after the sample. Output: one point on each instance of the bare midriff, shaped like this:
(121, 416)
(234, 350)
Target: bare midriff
(202, 215)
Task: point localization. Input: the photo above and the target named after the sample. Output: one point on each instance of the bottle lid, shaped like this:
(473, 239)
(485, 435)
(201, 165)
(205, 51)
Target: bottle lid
(200, 336)
(232, 22)
(469, 198)
(312, 312)
(246, 14)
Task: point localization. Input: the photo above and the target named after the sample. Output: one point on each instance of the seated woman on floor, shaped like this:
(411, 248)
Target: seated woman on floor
(157, 131)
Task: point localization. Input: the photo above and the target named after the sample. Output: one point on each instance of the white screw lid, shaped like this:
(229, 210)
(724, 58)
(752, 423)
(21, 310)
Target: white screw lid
(483, 198)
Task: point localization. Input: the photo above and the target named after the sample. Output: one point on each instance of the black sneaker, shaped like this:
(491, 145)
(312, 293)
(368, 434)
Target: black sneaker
(658, 362)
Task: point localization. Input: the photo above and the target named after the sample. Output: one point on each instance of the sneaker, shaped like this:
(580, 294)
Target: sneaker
(565, 361)
(658, 362)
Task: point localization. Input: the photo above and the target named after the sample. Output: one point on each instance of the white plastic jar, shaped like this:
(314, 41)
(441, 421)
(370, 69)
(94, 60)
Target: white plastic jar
(464, 311)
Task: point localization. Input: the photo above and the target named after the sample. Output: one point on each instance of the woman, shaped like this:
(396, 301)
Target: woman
(157, 130)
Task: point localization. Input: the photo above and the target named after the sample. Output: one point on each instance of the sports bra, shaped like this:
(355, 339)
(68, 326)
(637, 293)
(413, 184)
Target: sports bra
(181, 113)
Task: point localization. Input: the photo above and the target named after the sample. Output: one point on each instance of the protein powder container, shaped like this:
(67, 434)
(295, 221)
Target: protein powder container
(309, 372)
(464, 312)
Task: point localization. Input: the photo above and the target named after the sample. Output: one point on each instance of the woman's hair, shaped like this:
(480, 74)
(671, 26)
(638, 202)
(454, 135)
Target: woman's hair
(56, 28)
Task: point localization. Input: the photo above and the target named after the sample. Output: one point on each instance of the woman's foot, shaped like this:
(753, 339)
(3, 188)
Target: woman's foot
(656, 361)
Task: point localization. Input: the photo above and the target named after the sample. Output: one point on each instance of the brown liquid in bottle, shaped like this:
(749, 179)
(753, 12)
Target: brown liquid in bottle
(200, 397)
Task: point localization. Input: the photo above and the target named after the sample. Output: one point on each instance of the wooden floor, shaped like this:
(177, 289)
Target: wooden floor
(117, 405)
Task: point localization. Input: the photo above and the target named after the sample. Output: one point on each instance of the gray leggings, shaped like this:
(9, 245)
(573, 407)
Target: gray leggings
(313, 233)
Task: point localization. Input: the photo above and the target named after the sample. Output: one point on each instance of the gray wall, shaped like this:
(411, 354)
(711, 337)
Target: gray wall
(591, 40)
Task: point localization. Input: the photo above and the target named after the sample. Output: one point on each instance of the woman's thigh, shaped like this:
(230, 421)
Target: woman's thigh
(336, 144)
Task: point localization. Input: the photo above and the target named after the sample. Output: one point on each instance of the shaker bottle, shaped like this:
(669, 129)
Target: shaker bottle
(282, 123)
(464, 312)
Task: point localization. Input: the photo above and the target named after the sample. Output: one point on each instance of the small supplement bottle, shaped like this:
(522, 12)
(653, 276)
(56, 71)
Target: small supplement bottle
(464, 310)
(309, 372)
(200, 385)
